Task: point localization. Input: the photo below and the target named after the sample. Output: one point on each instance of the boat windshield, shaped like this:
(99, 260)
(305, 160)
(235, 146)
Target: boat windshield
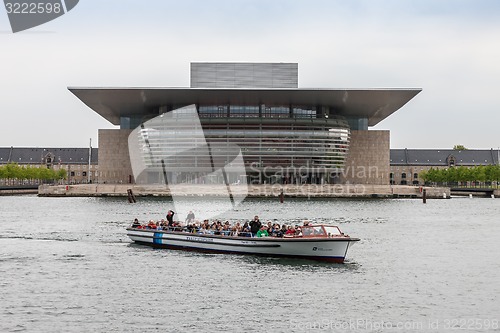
(313, 231)
(332, 231)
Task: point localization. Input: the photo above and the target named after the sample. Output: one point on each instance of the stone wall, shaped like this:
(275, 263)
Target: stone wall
(368, 161)
(114, 160)
(263, 190)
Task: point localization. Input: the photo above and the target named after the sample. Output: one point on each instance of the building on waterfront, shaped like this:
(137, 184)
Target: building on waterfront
(407, 164)
(76, 161)
(286, 134)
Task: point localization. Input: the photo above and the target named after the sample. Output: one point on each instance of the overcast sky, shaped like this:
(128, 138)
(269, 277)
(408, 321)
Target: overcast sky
(449, 48)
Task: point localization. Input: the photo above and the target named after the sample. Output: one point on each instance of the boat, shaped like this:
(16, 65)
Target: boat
(316, 242)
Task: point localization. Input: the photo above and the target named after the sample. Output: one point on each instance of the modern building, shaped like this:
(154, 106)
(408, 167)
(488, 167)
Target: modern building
(80, 163)
(287, 134)
(407, 164)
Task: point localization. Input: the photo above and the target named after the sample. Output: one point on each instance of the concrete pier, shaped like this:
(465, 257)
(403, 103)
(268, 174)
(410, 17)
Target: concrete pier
(301, 191)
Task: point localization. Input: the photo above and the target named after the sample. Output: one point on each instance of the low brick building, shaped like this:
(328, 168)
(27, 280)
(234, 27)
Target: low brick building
(407, 164)
(74, 160)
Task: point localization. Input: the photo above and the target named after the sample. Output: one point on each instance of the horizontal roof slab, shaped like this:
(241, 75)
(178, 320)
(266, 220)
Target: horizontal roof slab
(113, 103)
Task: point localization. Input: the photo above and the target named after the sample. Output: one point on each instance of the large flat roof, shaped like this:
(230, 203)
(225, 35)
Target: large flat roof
(373, 104)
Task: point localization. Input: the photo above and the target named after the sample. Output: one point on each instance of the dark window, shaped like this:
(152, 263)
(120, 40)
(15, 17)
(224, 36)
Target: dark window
(391, 175)
(403, 175)
(403, 182)
(84, 174)
(415, 175)
(72, 173)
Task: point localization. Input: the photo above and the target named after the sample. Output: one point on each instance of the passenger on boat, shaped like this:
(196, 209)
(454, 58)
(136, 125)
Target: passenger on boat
(245, 226)
(170, 218)
(151, 224)
(247, 230)
(290, 231)
(226, 229)
(205, 225)
(276, 232)
(255, 225)
(305, 223)
(190, 217)
(262, 232)
(269, 226)
(236, 229)
(136, 224)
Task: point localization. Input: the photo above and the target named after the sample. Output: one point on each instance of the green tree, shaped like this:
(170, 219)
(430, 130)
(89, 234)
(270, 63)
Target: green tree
(424, 176)
(61, 174)
(459, 147)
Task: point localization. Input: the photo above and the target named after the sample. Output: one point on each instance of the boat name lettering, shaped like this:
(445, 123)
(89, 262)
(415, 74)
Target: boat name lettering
(200, 239)
(321, 249)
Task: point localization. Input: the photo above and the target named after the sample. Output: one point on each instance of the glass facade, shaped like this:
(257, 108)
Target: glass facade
(279, 144)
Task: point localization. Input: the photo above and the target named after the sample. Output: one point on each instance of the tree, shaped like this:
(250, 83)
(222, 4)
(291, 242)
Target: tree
(61, 174)
(424, 175)
(459, 147)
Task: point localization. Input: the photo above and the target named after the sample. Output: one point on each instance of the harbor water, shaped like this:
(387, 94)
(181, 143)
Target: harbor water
(66, 265)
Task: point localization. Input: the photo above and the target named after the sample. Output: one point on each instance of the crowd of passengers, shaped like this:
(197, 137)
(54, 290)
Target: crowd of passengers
(253, 228)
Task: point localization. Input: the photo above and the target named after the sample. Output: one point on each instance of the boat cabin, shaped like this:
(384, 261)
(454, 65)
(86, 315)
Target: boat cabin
(321, 231)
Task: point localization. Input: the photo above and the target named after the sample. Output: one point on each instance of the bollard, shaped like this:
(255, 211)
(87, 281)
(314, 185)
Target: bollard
(282, 196)
(493, 196)
(444, 195)
(470, 196)
(131, 197)
(424, 196)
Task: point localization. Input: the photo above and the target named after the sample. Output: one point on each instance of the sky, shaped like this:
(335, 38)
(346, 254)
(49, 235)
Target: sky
(449, 48)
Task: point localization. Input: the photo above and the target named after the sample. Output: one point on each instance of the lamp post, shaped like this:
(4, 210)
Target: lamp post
(90, 158)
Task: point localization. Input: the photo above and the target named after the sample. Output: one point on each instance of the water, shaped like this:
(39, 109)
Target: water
(66, 265)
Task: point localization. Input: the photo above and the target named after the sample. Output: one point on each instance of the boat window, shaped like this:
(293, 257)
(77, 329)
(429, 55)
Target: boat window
(332, 230)
(318, 231)
(307, 231)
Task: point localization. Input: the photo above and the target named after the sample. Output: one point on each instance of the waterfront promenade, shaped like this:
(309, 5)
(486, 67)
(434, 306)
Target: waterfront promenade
(302, 191)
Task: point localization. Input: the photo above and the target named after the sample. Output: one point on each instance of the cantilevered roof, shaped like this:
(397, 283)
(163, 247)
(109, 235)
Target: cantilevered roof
(113, 103)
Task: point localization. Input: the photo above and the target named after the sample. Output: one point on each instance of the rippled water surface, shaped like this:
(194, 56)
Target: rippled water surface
(66, 265)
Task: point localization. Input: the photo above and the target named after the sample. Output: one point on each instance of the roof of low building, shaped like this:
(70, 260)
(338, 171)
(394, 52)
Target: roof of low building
(39, 155)
(441, 157)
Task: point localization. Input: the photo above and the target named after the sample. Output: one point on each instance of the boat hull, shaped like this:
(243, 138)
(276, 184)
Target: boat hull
(321, 249)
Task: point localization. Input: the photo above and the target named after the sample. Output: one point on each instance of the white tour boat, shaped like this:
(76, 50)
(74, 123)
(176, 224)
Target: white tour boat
(317, 242)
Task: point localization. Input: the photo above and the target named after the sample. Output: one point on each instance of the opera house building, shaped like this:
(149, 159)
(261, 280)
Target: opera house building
(286, 134)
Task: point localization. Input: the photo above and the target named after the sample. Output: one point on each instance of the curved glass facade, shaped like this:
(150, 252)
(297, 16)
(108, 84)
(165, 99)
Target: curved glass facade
(279, 144)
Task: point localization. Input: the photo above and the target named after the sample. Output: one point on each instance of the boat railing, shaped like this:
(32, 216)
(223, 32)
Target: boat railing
(307, 232)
